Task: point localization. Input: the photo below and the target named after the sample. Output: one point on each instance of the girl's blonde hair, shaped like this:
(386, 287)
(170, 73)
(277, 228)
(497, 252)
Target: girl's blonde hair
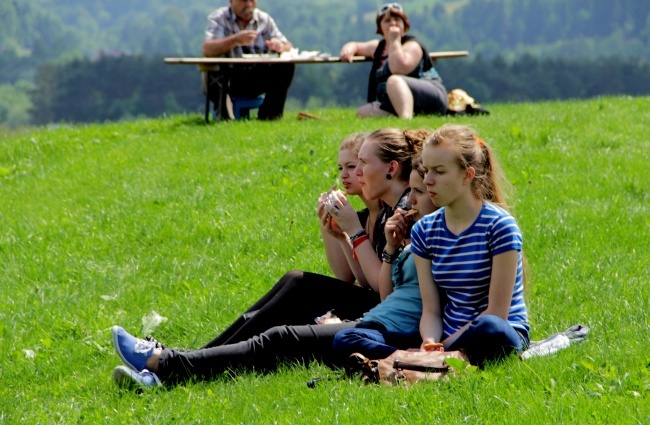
(473, 152)
(353, 142)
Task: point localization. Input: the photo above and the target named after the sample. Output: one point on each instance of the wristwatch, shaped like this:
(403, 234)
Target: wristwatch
(388, 258)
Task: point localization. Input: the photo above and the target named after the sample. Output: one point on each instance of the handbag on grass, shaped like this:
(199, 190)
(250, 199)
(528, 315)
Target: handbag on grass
(406, 367)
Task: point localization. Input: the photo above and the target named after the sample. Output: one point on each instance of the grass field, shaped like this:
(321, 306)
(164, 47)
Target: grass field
(103, 224)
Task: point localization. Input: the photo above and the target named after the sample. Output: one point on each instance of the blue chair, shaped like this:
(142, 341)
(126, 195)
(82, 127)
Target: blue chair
(241, 106)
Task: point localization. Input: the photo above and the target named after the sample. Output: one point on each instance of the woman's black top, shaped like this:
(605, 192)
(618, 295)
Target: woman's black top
(380, 70)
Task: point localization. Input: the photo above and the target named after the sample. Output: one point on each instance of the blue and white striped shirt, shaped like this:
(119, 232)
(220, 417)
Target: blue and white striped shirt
(462, 264)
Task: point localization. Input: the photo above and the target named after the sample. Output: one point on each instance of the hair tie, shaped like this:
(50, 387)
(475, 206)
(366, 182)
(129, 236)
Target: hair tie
(479, 141)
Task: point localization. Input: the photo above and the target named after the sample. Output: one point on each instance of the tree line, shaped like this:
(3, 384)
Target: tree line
(36, 31)
(39, 36)
(115, 88)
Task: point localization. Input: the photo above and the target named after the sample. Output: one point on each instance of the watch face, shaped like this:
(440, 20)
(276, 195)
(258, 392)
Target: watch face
(386, 257)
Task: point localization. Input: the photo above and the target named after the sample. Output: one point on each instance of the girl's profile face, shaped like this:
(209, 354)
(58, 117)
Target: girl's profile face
(444, 178)
(349, 180)
(371, 171)
(419, 196)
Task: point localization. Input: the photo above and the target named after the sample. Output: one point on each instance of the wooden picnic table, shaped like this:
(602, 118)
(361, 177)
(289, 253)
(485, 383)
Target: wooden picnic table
(211, 64)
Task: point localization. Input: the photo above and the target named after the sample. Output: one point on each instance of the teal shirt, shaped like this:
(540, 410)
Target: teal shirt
(402, 309)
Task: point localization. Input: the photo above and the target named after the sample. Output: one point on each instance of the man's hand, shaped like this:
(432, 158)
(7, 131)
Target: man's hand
(246, 37)
(275, 45)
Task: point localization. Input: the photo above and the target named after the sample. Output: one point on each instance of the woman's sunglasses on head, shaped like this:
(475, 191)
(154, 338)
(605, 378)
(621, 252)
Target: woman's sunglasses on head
(388, 6)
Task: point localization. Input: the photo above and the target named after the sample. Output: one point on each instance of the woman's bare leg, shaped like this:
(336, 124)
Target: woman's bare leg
(400, 96)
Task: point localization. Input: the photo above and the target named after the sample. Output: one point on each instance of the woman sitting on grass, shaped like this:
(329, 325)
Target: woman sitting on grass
(298, 297)
(148, 365)
(336, 243)
(402, 81)
(399, 263)
(469, 251)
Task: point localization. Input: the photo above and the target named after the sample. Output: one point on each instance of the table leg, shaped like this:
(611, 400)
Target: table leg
(207, 99)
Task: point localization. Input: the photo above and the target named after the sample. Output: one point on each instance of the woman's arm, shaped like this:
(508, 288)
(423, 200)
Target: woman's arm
(431, 321)
(502, 283)
(395, 231)
(355, 266)
(336, 257)
(369, 263)
(358, 48)
(402, 58)
(385, 280)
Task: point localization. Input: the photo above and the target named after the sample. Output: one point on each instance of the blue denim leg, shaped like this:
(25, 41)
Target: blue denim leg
(488, 338)
(372, 343)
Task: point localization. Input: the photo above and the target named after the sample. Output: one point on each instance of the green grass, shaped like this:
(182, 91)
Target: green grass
(103, 224)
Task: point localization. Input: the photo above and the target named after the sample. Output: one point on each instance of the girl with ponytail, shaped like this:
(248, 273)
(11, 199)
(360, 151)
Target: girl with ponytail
(469, 252)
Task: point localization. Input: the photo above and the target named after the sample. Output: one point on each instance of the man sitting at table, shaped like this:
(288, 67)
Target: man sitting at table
(241, 29)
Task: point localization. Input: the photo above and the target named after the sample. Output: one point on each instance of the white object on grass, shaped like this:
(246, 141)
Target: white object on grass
(151, 322)
(548, 346)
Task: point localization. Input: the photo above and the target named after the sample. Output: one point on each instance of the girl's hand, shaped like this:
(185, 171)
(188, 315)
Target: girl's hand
(346, 217)
(396, 228)
(429, 344)
(329, 224)
(322, 200)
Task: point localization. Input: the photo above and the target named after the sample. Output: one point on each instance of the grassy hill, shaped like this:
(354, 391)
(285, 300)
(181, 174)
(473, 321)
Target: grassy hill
(103, 224)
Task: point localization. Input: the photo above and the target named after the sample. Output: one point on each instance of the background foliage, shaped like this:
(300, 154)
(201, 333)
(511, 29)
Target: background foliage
(614, 35)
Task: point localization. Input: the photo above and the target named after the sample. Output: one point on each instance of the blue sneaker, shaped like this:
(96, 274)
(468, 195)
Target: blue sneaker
(126, 377)
(133, 351)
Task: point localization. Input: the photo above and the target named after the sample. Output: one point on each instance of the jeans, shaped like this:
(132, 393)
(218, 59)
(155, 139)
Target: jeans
(296, 299)
(372, 343)
(263, 352)
(488, 339)
(251, 81)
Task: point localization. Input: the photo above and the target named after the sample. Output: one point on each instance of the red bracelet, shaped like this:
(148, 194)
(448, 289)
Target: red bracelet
(359, 241)
(356, 243)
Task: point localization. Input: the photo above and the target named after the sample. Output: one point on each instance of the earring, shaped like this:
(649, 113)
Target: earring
(389, 177)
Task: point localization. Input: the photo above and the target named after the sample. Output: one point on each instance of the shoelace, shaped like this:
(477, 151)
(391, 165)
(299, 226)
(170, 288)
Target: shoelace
(154, 341)
(143, 346)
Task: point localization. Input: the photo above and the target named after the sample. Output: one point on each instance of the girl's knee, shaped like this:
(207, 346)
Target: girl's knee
(343, 339)
(291, 279)
(489, 321)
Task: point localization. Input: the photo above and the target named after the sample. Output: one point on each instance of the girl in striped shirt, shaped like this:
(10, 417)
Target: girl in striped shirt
(468, 254)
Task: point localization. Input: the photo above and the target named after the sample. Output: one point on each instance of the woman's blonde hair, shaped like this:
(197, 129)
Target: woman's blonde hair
(473, 152)
(353, 142)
